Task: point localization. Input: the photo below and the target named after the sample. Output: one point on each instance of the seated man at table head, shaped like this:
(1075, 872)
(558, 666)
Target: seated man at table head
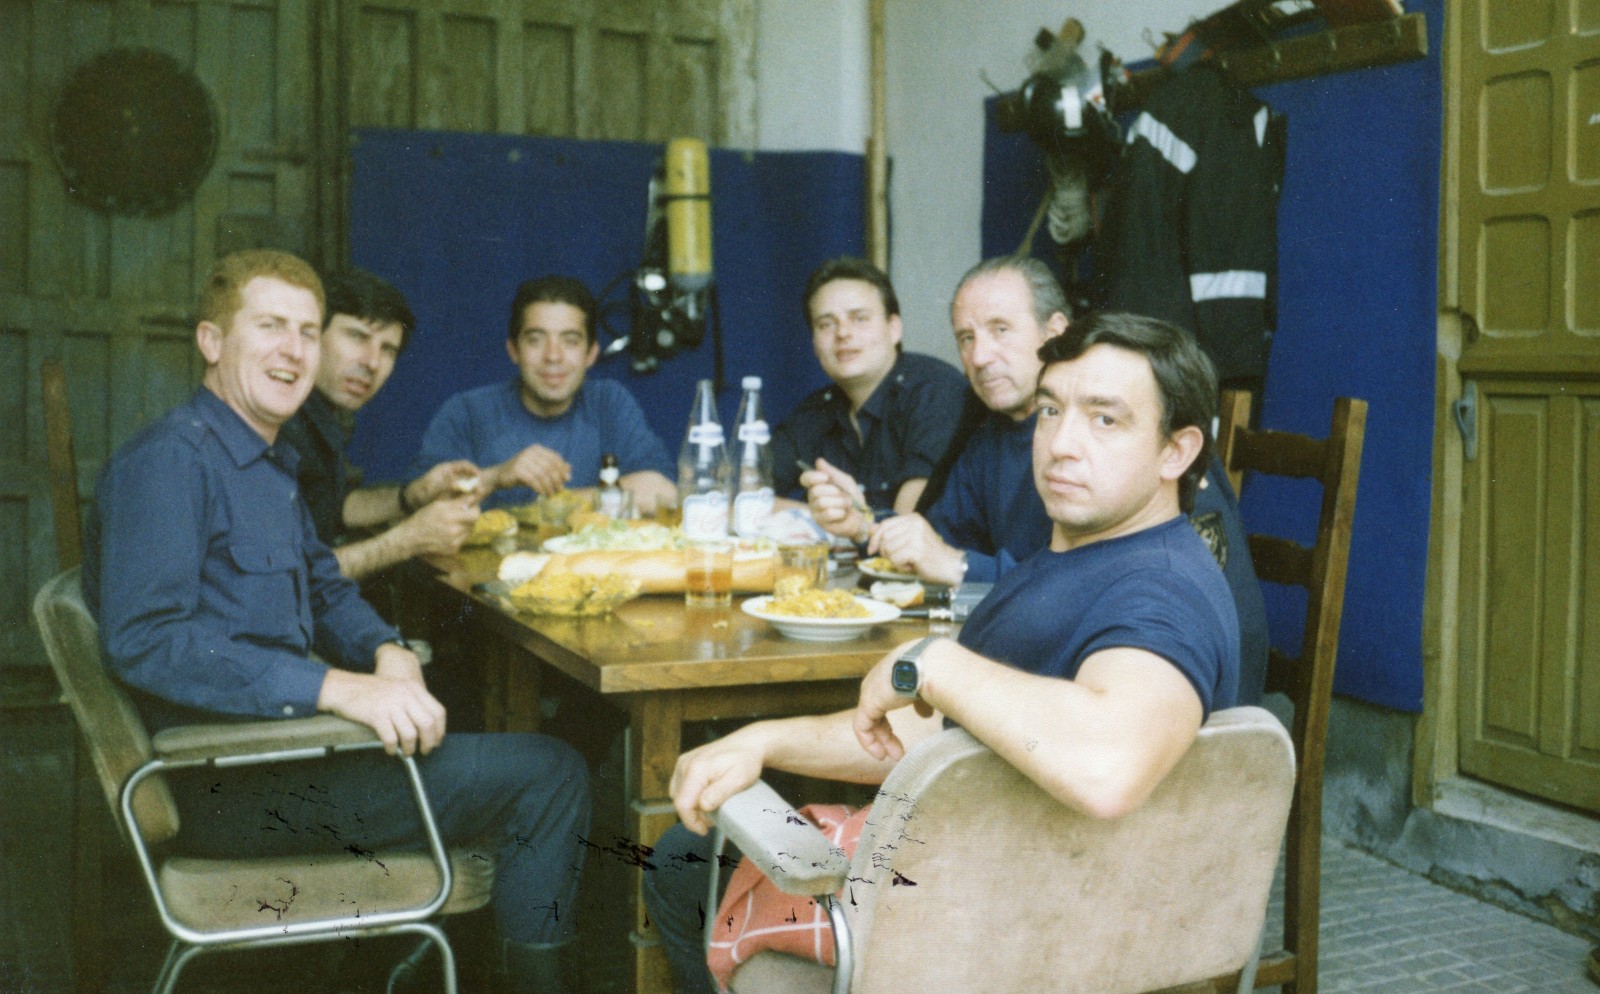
(548, 428)
(1090, 667)
(987, 517)
(217, 602)
(889, 415)
(368, 327)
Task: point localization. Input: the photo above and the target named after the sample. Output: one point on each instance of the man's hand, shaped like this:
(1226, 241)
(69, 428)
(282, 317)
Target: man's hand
(706, 777)
(392, 702)
(912, 545)
(836, 501)
(649, 489)
(439, 528)
(878, 698)
(536, 467)
(440, 481)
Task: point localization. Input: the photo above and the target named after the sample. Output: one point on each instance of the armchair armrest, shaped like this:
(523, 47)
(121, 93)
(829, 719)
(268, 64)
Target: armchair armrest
(788, 849)
(255, 740)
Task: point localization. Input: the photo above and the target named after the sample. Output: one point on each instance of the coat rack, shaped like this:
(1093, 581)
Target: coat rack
(1358, 46)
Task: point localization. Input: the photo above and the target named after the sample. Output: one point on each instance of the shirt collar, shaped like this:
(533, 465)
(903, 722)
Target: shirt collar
(324, 418)
(877, 402)
(240, 440)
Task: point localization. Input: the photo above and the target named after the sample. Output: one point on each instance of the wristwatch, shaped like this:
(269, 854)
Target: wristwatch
(904, 676)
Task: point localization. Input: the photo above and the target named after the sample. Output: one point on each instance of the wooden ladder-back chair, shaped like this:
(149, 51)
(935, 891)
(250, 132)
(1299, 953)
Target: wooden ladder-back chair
(1307, 680)
(88, 820)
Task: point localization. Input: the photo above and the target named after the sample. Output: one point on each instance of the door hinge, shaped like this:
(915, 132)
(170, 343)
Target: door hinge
(1466, 412)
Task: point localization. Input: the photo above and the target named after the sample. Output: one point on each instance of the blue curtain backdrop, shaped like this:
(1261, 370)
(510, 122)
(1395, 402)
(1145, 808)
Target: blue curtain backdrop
(456, 221)
(1357, 316)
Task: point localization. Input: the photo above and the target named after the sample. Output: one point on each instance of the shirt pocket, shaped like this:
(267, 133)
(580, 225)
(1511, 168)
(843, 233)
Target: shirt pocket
(268, 593)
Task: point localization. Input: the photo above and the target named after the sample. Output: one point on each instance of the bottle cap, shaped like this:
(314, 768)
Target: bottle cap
(750, 383)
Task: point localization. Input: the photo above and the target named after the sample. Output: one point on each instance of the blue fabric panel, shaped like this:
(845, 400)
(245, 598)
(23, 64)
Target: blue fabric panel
(456, 221)
(1357, 304)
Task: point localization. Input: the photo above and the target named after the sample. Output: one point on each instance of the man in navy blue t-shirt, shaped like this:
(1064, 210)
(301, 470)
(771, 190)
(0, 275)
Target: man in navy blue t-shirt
(1090, 667)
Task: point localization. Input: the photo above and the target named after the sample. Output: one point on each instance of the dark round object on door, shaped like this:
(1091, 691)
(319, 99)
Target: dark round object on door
(133, 133)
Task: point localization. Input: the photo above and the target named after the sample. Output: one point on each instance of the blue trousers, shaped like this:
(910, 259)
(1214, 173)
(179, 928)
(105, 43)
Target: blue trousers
(675, 897)
(529, 794)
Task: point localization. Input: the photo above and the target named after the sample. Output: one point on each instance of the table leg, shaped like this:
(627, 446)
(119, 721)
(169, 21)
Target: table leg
(656, 734)
(520, 691)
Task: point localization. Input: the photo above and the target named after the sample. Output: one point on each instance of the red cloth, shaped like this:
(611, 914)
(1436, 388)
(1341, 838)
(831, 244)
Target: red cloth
(756, 916)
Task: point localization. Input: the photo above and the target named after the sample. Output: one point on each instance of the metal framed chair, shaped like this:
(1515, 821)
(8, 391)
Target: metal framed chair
(217, 904)
(970, 877)
(1307, 678)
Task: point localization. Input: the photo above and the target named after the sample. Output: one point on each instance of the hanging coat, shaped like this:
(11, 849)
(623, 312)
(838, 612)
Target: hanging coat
(1190, 230)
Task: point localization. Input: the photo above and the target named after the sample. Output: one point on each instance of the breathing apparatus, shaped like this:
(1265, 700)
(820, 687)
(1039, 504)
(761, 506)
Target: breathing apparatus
(673, 293)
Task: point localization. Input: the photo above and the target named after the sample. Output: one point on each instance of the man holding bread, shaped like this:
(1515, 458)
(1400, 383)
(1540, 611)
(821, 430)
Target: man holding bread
(1090, 667)
(368, 326)
(548, 428)
(217, 602)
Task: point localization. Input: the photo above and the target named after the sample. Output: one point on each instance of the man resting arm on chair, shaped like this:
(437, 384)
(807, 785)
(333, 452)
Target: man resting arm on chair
(211, 590)
(1091, 665)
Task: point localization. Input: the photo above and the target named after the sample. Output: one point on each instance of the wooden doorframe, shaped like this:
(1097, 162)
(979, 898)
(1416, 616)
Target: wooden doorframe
(1437, 783)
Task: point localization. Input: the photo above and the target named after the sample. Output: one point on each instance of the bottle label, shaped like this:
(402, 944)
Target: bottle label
(705, 516)
(611, 502)
(609, 475)
(751, 510)
(755, 431)
(705, 434)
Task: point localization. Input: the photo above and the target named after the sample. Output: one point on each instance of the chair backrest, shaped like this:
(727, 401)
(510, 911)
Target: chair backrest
(1307, 679)
(116, 737)
(62, 463)
(1233, 410)
(970, 877)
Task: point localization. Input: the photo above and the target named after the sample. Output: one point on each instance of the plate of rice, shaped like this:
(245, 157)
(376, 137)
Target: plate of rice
(821, 615)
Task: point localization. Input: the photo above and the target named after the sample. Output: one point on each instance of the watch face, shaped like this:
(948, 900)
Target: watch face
(903, 677)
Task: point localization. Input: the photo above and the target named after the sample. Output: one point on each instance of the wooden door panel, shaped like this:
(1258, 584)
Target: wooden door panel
(1530, 637)
(113, 296)
(644, 70)
(1530, 159)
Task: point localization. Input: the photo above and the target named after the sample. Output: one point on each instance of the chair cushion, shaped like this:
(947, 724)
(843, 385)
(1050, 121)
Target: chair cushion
(217, 894)
(780, 973)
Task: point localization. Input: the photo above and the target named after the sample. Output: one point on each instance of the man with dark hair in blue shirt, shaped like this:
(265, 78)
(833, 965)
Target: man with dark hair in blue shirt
(1090, 667)
(889, 415)
(550, 427)
(217, 602)
(368, 326)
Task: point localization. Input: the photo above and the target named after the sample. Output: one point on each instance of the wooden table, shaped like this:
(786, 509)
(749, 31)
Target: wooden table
(663, 665)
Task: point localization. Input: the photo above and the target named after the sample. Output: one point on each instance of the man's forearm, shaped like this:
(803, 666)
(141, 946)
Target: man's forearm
(821, 746)
(905, 499)
(371, 506)
(359, 560)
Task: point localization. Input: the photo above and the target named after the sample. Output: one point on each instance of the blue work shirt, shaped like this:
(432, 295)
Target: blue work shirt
(905, 428)
(207, 577)
(489, 425)
(990, 506)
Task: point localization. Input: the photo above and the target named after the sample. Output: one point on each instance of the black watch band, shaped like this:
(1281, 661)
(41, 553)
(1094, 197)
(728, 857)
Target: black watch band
(904, 676)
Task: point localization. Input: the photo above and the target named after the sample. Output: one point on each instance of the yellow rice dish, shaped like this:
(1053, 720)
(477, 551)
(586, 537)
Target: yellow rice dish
(818, 604)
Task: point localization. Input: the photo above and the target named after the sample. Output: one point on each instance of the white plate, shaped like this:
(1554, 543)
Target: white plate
(822, 629)
(884, 574)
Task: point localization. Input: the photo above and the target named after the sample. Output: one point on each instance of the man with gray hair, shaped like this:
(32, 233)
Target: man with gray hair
(988, 517)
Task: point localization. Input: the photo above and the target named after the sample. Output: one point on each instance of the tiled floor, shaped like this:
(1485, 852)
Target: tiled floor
(1386, 929)
(1383, 928)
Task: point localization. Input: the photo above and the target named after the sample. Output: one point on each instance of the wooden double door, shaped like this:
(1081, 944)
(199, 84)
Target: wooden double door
(112, 295)
(1522, 270)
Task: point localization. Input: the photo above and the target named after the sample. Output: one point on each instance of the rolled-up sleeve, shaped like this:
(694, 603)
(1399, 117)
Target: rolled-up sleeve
(347, 628)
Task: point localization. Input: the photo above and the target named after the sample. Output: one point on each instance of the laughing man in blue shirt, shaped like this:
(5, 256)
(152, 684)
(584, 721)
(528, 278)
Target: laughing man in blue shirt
(217, 602)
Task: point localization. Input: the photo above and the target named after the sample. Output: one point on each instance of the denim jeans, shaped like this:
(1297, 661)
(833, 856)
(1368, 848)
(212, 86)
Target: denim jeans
(528, 795)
